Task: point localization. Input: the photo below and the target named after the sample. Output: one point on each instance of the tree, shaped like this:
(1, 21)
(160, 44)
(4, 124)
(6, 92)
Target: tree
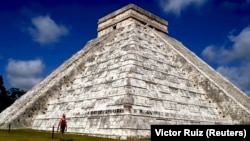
(4, 99)
(14, 94)
(8, 97)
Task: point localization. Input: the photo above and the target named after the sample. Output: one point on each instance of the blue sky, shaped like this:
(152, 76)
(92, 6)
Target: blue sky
(38, 36)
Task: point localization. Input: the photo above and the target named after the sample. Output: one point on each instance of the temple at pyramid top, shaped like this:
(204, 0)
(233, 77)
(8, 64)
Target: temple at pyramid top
(131, 12)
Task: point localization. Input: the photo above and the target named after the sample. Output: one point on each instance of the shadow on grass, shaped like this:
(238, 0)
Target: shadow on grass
(34, 135)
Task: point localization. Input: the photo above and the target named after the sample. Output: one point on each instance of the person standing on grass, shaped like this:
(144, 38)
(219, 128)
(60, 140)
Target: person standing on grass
(63, 126)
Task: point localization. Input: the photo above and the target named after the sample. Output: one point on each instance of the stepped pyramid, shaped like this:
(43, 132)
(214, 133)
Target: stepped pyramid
(131, 76)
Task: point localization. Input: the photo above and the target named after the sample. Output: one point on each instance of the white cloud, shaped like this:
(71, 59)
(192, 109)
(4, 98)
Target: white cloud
(24, 74)
(45, 31)
(240, 49)
(176, 6)
(219, 55)
(235, 61)
(238, 76)
(209, 53)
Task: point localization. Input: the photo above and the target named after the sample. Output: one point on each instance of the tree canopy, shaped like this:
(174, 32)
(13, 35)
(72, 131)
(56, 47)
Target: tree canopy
(8, 97)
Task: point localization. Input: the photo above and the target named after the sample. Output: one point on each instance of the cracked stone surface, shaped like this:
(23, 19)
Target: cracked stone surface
(131, 76)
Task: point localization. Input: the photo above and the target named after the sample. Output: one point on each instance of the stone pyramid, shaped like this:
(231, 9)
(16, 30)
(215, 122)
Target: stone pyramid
(131, 76)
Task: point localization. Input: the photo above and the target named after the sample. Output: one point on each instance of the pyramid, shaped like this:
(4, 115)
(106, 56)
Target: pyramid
(131, 76)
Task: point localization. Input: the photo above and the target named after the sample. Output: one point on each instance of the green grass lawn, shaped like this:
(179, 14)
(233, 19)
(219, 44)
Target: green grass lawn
(33, 135)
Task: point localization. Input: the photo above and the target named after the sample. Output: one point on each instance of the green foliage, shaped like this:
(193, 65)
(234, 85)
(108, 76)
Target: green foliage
(33, 135)
(4, 99)
(14, 94)
(8, 97)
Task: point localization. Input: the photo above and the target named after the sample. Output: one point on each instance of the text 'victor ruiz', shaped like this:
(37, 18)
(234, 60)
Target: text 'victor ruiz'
(197, 132)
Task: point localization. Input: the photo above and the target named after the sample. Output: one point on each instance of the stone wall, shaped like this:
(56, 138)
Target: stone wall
(231, 100)
(120, 17)
(133, 78)
(23, 111)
